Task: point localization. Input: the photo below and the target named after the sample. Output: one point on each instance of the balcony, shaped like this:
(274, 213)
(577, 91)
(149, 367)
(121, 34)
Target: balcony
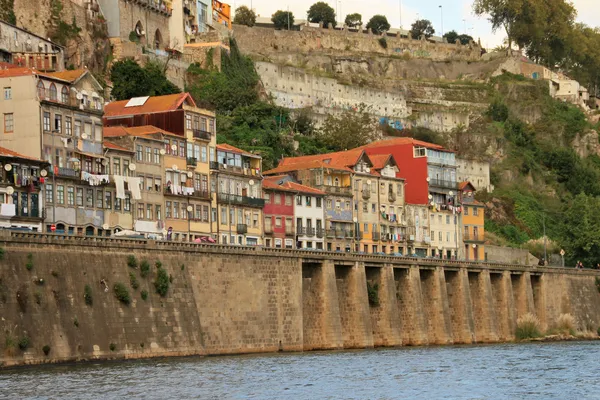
(289, 231)
(330, 234)
(183, 191)
(479, 238)
(200, 134)
(320, 233)
(349, 234)
(156, 5)
(68, 172)
(191, 162)
(310, 232)
(440, 183)
(392, 197)
(268, 229)
(301, 231)
(47, 62)
(241, 229)
(54, 97)
(376, 236)
(225, 198)
(344, 191)
(232, 169)
(366, 194)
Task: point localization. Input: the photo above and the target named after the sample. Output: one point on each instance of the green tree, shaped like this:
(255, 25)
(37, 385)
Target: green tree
(508, 14)
(378, 24)
(350, 129)
(420, 28)
(353, 20)
(283, 19)
(244, 16)
(322, 12)
(7, 11)
(131, 80)
(452, 36)
(581, 230)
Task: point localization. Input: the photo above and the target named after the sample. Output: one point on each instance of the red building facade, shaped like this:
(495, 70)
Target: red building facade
(279, 214)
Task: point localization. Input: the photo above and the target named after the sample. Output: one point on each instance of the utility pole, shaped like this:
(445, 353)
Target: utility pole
(442, 14)
(544, 226)
(400, 8)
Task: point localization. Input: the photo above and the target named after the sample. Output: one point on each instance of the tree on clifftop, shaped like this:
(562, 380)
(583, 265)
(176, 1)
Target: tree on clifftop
(452, 36)
(378, 24)
(420, 28)
(353, 20)
(283, 20)
(130, 80)
(244, 16)
(321, 12)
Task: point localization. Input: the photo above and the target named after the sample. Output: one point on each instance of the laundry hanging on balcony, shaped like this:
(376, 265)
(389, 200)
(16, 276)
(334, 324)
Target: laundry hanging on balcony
(8, 210)
(94, 180)
(119, 186)
(133, 183)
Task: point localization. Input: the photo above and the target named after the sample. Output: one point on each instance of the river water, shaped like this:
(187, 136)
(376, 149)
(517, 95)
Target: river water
(511, 371)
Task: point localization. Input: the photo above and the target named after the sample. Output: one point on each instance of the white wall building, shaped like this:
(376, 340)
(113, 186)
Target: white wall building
(310, 219)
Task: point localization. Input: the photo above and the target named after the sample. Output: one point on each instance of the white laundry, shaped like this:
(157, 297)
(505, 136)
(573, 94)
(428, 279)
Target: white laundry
(188, 191)
(120, 186)
(134, 186)
(94, 180)
(7, 210)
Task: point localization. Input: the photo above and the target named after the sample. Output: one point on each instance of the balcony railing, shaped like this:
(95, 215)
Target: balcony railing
(301, 230)
(191, 162)
(200, 134)
(268, 229)
(310, 232)
(467, 237)
(186, 192)
(440, 183)
(242, 228)
(241, 200)
(41, 61)
(156, 5)
(88, 104)
(347, 191)
(366, 194)
(392, 197)
(234, 169)
(289, 231)
(376, 236)
(320, 233)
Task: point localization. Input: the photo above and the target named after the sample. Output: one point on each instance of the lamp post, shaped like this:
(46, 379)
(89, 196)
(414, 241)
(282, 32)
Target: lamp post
(54, 171)
(442, 15)
(400, 9)
(190, 209)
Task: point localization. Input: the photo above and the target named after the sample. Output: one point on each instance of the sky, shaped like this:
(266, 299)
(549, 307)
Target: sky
(457, 14)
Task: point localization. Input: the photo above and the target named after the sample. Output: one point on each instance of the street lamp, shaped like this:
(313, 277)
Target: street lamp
(190, 209)
(54, 171)
(442, 14)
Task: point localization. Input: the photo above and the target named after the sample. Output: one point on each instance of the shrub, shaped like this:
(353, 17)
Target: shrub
(1, 253)
(46, 349)
(158, 264)
(144, 268)
(144, 295)
(182, 267)
(22, 298)
(29, 264)
(528, 327)
(170, 278)
(133, 281)
(566, 323)
(87, 295)
(54, 273)
(161, 284)
(24, 343)
(373, 293)
(498, 111)
(112, 347)
(383, 42)
(122, 293)
(132, 262)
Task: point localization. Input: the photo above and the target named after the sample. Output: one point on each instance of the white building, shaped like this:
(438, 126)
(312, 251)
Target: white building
(476, 172)
(309, 216)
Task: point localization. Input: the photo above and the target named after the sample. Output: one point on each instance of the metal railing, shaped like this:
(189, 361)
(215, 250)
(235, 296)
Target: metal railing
(200, 134)
(241, 200)
(376, 236)
(467, 237)
(242, 228)
(440, 183)
(214, 165)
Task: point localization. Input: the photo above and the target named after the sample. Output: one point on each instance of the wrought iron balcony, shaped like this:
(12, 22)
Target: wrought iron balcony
(376, 236)
(192, 162)
(225, 198)
(310, 232)
(200, 134)
(242, 229)
(320, 233)
(440, 183)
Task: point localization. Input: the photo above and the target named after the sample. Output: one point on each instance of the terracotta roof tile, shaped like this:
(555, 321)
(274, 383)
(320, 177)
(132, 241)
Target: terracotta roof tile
(69, 76)
(4, 152)
(463, 185)
(232, 149)
(112, 146)
(343, 159)
(404, 141)
(11, 72)
(139, 131)
(379, 160)
(270, 183)
(154, 104)
(302, 188)
(304, 166)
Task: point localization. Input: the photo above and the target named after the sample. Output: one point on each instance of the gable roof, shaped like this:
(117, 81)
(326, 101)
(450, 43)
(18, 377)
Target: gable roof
(405, 141)
(4, 152)
(272, 183)
(232, 149)
(67, 76)
(464, 185)
(138, 131)
(381, 160)
(112, 146)
(154, 104)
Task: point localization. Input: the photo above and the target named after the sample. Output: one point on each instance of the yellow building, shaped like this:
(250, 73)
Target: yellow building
(237, 210)
(473, 223)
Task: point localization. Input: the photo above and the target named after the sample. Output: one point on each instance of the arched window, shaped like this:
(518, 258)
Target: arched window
(336, 182)
(139, 29)
(41, 90)
(157, 39)
(64, 95)
(53, 92)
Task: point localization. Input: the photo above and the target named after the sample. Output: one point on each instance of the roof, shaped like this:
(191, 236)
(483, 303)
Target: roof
(338, 159)
(154, 104)
(68, 76)
(304, 166)
(4, 152)
(271, 183)
(112, 146)
(138, 131)
(14, 71)
(233, 149)
(404, 141)
(463, 185)
(380, 160)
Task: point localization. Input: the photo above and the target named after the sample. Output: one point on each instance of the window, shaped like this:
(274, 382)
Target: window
(440, 236)
(148, 155)
(366, 228)
(175, 210)
(255, 220)
(308, 201)
(127, 205)
(373, 208)
(329, 204)
(77, 128)
(97, 133)
(447, 220)
(188, 121)
(223, 216)
(267, 198)
(99, 199)
(278, 222)
(125, 167)
(447, 236)
(7, 93)
(116, 166)
(158, 212)
(60, 194)
(107, 200)
(8, 123)
(298, 200)
(68, 126)
(117, 204)
(466, 210)
(149, 184)
(432, 235)
(71, 196)
(140, 211)
(475, 211)
(89, 197)
(156, 156)
(420, 152)
(149, 212)
(203, 124)
(277, 198)
(53, 92)
(64, 95)
(338, 204)
(79, 197)
(365, 208)
(348, 206)
(139, 152)
(41, 89)
(49, 194)
(58, 123)
(288, 200)
(203, 156)
(168, 209)
(181, 149)
(46, 121)
(319, 202)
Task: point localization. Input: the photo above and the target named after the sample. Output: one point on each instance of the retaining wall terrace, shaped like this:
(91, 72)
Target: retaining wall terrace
(231, 299)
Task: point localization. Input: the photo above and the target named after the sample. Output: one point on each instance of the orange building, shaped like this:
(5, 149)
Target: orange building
(221, 13)
(473, 223)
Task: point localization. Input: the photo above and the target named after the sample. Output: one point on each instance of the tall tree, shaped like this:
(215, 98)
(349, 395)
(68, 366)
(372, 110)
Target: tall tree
(283, 19)
(353, 20)
(321, 12)
(350, 129)
(131, 80)
(244, 16)
(502, 14)
(378, 24)
(420, 28)
(452, 36)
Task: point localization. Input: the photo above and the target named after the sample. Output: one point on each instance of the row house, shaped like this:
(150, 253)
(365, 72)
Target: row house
(364, 200)
(187, 149)
(473, 223)
(25, 49)
(236, 181)
(21, 182)
(429, 171)
(183, 24)
(288, 203)
(57, 117)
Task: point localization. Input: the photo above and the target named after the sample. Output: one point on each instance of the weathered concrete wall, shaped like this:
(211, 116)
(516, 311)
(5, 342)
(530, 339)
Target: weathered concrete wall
(227, 300)
(509, 255)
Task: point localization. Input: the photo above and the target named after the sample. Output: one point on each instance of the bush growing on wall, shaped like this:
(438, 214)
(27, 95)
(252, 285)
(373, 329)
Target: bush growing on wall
(122, 293)
(87, 295)
(161, 284)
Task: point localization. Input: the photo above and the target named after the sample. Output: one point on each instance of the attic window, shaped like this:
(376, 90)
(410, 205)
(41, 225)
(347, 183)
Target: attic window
(137, 101)
(327, 161)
